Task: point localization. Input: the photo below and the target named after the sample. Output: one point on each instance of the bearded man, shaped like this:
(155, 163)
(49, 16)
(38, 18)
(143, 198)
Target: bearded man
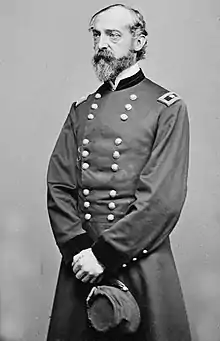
(117, 183)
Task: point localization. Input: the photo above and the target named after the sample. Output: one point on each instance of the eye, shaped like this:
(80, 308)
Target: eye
(114, 36)
(95, 34)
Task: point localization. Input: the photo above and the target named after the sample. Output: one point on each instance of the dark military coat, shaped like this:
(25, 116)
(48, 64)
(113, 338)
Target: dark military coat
(117, 182)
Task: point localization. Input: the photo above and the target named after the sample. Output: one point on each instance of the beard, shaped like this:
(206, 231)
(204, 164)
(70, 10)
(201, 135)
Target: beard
(107, 67)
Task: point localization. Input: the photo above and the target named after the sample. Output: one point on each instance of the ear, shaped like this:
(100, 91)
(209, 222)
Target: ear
(139, 42)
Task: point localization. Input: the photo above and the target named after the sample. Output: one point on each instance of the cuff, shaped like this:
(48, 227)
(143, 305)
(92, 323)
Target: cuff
(74, 246)
(107, 255)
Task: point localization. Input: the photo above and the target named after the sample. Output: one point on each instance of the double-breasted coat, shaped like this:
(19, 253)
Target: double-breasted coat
(117, 182)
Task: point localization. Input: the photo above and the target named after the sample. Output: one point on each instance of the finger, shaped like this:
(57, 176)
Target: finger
(93, 279)
(76, 258)
(99, 278)
(77, 267)
(86, 278)
(80, 274)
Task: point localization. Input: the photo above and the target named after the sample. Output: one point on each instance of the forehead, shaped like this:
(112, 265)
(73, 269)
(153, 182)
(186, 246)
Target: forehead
(115, 18)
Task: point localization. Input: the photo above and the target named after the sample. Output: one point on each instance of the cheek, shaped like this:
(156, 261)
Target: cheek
(121, 50)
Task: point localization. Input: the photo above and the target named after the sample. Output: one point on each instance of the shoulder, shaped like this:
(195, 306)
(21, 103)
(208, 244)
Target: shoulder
(87, 98)
(169, 98)
(83, 99)
(161, 97)
(80, 105)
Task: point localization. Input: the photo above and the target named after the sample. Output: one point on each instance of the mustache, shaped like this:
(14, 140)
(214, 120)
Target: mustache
(105, 55)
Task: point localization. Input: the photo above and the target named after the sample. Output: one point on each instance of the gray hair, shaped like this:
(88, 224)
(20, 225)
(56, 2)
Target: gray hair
(138, 27)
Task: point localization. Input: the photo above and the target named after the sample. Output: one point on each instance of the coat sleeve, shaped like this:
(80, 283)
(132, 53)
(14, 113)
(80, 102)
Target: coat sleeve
(62, 194)
(160, 194)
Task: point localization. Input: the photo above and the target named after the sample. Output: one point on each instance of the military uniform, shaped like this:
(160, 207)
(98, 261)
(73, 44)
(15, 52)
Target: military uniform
(117, 181)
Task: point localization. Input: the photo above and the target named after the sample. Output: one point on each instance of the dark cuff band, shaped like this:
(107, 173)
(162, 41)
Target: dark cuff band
(106, 254)
(74, 246)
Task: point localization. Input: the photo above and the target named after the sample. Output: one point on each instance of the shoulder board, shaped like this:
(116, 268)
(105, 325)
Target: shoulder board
(169, 98)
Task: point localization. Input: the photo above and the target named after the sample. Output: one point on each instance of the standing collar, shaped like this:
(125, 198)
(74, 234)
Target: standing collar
(132, 70)
(123, 83)
(130, 81)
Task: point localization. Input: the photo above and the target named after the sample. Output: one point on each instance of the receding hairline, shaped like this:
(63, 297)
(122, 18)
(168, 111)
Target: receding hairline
(131, 10)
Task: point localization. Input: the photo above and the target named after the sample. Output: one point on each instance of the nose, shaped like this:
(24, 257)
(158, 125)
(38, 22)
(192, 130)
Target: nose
(103, 41)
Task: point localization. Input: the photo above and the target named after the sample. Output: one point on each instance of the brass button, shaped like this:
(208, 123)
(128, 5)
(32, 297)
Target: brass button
(134, 259)
(116, 154)
(86, 191)
(85, 142)
(144, 251)
(124, 265)
(114, 167)
(85, 153)
(86, 204)
(85, 166)
(111, 205)
(97, 95)
(128, 106)
(90, 116)
(110, 217)
(118, 141)
(124, 117)
(112, 193)
(88, 216)
(94, 106)
(133, 97)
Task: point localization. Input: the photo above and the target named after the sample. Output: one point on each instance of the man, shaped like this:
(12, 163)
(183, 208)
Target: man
(116, 187)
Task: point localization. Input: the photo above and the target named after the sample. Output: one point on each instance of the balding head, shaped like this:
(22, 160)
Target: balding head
(122, 16)
(119, 40)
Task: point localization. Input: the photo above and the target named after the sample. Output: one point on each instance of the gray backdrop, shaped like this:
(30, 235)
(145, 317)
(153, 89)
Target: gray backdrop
(45, 53)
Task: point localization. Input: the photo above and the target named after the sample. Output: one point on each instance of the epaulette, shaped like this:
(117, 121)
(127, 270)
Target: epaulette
(169, 98)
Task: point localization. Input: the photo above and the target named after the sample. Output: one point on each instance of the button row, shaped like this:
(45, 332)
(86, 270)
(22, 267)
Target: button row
(115, 154)
(95, 106)
(133, 97)
(117, 141)
(123, 117)
(134, 259)
(112, 193)
(110, 217)
(114, 166)
(111, 205)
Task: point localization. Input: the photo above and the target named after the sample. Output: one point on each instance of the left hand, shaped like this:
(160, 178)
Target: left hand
(86, 266)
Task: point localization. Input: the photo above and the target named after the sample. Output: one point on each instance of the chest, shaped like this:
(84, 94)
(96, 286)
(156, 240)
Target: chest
(116, 127)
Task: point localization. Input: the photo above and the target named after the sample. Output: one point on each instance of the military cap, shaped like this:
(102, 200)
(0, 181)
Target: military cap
(111, 307)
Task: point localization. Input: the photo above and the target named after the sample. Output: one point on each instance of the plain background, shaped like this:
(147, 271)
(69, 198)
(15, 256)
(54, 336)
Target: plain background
(45, 54)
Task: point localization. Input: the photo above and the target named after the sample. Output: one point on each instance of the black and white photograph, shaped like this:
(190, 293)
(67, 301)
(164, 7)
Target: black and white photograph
(110, 170)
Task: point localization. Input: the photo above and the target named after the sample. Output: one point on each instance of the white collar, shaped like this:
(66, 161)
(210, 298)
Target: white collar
(132, 70)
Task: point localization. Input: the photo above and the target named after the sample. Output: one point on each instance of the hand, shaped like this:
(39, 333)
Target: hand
(86, 266)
